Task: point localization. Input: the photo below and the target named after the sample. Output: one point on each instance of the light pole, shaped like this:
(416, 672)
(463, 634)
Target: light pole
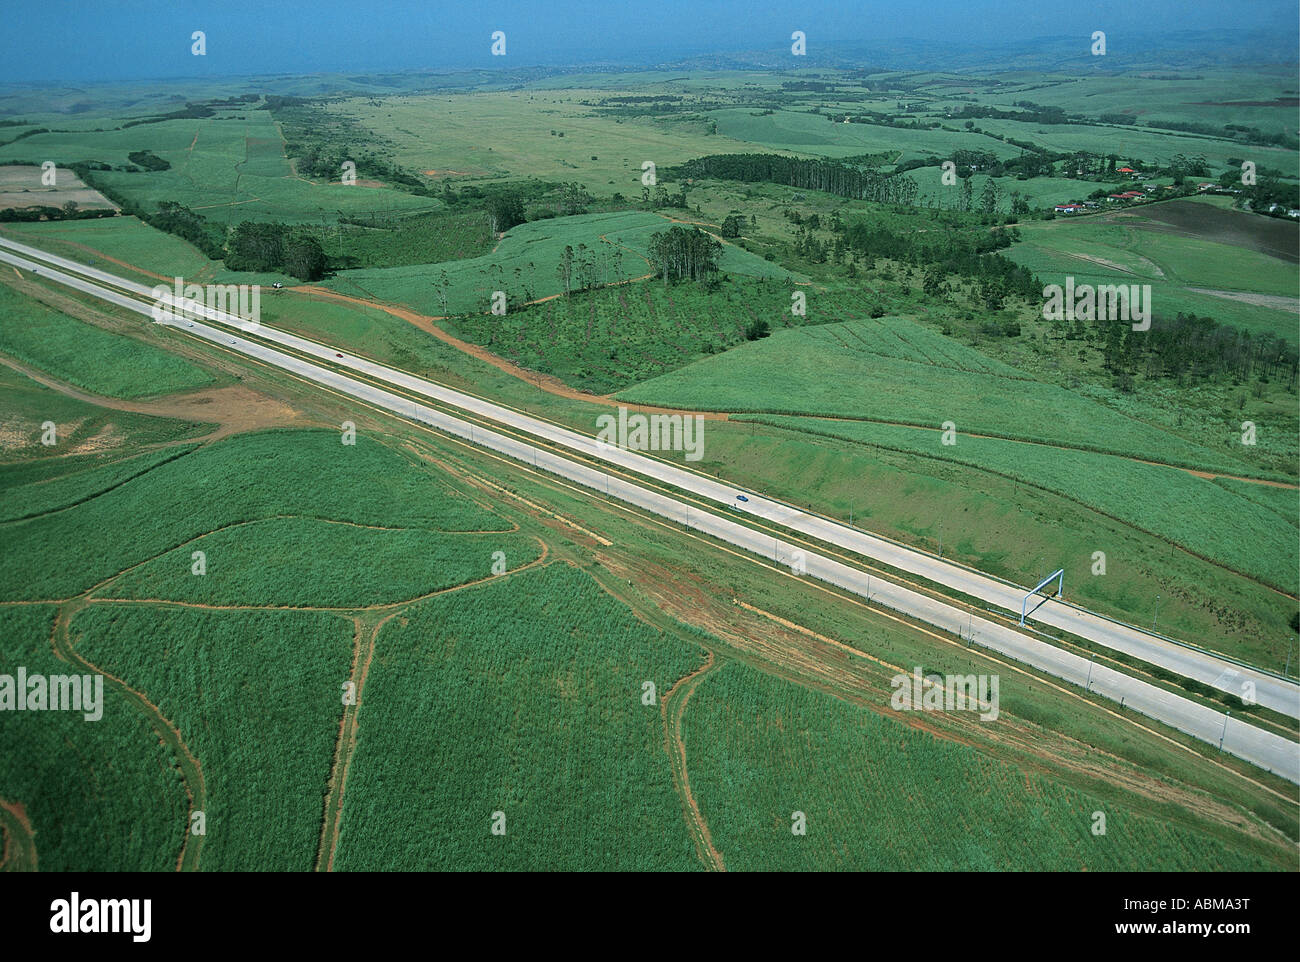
(1090, 664)
(940, 539)
(1226, 716)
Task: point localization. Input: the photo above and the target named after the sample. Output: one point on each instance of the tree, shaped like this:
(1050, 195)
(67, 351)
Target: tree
(505, 210)
(566, 268)
(731, 226)
(303, 257)
(989, 197)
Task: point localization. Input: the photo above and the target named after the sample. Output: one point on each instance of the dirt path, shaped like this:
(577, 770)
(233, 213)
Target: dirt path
(234, 409)
(191, 771)
(19, 853)
(1278, 302)
(673, 707)
(1209, 475)
(347, 742)
(546, 382)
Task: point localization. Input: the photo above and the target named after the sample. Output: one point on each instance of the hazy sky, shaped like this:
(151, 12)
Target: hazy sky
(79, 40)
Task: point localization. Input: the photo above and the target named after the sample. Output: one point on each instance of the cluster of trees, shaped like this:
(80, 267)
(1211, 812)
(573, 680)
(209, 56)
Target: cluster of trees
(585, 269)
(148, 160)
(1194, 348)
(1031, 114)
(681, 253)
(276, 247)
(882, 120)
(505, 210)
(69, 211)
(732, 225)
(1239, 132)
(661, 198)
(178, 219)
(968, 254)
(830, 176)
(188, 112)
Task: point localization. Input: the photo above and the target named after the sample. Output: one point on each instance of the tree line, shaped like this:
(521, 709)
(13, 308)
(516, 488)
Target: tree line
(832, 177)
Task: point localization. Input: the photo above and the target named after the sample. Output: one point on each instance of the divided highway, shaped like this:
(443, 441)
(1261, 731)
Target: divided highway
(1262, 748)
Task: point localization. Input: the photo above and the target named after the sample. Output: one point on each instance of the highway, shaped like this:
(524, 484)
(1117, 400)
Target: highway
(1262, 748)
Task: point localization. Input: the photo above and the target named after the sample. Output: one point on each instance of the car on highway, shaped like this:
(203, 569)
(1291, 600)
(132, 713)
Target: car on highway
(741, 497)
(338, 355)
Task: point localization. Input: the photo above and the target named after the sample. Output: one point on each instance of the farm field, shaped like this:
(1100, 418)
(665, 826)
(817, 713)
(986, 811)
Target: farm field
(1261, 292)
(22, 186)
(809, 133)
(869, 815)
(1165, 501)
(816, 371)
(577, 766)
(525, 265)
(88, 356)
(293, 562)
(230, 167)
(83, 786)
(444, 137)
(256, 694)
(50, 558)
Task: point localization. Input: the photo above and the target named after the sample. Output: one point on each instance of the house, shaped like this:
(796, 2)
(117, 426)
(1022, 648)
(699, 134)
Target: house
(1090, 203)
(1068, 208)
(1114, 197)
(1204, 186)
(1131, 195)
(1127, 170)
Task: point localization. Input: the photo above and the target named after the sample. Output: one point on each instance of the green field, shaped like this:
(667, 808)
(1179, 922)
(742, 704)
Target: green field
(58, 557)
(87, 437)
(880, 796)
(525, 265)
(293, 562)
(522, 696)
(1165, 501)
(256, 694)
(88, 356)
(230, 168)
(496, 135)
(1134, 248)
(814, 371)
(100, 795)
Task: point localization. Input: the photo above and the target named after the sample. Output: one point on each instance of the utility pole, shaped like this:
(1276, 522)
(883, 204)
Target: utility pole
(1226, 716)
(1090, 664)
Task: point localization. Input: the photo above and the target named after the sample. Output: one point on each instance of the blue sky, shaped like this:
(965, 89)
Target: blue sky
(89, 40)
